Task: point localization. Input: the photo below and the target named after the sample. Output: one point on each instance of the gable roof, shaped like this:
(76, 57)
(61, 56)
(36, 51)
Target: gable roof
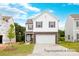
(75, 15)
(29, 21)
(34, 16)
(6, 18)
(37, 15)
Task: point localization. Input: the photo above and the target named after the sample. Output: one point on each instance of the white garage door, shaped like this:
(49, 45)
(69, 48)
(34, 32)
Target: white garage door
(45, 39)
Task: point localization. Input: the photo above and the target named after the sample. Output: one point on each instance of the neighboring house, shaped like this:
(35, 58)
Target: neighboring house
(5, 27)
(72, 28)
(42, 28)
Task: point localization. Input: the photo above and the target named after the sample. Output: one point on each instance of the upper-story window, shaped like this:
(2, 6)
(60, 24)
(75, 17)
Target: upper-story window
(38, 24)
(77, 23)
(30, 26)
(51, 24)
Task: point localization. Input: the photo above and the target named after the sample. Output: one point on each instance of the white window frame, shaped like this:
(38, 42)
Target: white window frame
(39, 24)
(52, 24)
(30, 26)
(77, 23)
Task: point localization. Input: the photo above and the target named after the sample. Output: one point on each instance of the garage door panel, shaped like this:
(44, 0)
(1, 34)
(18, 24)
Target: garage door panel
(42, 39)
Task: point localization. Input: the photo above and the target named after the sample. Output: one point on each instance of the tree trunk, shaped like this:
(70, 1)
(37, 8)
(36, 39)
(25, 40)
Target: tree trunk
(10, 43)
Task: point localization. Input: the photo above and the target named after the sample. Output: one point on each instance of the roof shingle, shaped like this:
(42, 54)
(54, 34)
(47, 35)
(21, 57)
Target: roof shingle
(75, 15)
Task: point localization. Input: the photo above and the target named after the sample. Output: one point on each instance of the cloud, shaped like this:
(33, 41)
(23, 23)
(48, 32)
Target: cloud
(31, 8)
(24, 16)
(64, 5)
(24, 7)
(6, 10)
(18, 11)
(51, 10)
(73, 3)
(62, 25)
(15, 10)
(69, 4)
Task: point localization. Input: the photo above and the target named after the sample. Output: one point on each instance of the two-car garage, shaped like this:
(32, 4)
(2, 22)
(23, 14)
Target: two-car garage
(45, 38)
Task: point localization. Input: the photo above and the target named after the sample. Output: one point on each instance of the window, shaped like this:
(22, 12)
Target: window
(28, 38)
(77, 36)
(51, 24)
(77, 23)
(38, 24)
(30, 26)
(68, 36)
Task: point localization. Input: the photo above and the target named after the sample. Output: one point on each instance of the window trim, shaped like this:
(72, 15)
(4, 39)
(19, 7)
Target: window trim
(29, 26)
(69, 37)
(40, 25)
(77, 36)
(77, 23)
(52, 26)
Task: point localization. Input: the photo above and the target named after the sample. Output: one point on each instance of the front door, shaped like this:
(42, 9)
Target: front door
(0, 38)
(28, 38)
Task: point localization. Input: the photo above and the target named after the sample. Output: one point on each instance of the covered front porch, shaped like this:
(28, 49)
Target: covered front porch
(29, 37)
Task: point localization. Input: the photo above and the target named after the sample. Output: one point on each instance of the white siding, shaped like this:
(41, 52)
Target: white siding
(27, 28)
(45, 18)
(75, 30)
(69, 29)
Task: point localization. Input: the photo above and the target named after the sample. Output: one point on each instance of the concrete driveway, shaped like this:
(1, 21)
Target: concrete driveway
(52, 50)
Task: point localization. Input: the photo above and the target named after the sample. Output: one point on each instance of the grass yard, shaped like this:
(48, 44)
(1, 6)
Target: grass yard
(70, 45)
(20, 49)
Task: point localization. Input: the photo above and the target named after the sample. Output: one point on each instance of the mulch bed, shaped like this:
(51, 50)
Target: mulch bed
(9, 48)
(3, 46)
(6, 47)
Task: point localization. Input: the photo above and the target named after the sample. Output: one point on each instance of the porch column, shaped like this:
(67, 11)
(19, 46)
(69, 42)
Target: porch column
(25, 37)
(57, 38)
(33, 38)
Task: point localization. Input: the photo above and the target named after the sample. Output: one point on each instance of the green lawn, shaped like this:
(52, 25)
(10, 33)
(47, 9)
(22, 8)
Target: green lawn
(20, 49)
(70, 45)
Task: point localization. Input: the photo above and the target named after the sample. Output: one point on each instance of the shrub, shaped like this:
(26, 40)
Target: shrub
(61, 39)
(20, 33)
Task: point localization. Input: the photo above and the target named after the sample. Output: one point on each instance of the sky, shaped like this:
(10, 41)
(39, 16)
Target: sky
(21, 12)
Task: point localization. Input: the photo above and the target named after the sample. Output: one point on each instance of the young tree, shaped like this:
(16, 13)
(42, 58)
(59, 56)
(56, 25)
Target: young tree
(11, 33)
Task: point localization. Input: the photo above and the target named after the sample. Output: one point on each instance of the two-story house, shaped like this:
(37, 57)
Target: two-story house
(72, 28)
(42, 28)
(6, 28)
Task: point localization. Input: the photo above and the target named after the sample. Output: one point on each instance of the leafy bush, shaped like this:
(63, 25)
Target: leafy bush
(61, 39)
(61, 33)
(20, 33)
